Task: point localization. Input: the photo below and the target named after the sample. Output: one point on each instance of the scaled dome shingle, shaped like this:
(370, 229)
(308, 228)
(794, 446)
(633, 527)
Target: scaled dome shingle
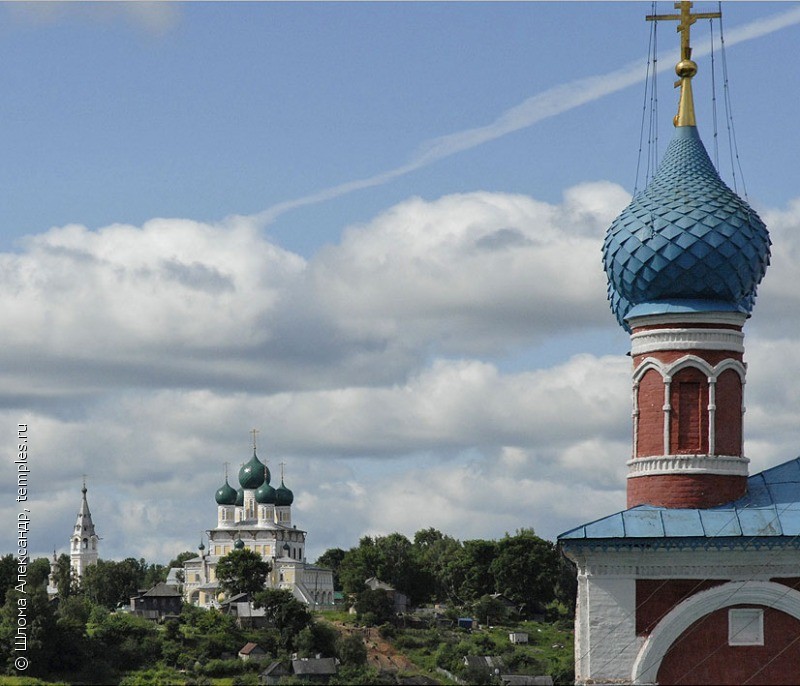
(687, 236)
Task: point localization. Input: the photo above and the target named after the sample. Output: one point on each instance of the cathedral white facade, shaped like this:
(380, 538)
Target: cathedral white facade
(257, 517)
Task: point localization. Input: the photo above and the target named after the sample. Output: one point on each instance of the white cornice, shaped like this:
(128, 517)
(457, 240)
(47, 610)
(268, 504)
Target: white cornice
(737, 562)
(728, 465)
(687, 339)
(729, 318)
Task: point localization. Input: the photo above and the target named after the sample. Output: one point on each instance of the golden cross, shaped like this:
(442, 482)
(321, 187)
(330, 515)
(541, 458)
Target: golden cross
(226, 470)
(282, 464)
(685, 69)
(686, 19)
(254, 432)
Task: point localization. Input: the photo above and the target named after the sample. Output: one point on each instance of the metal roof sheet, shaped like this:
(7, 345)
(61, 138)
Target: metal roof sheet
(771, 507)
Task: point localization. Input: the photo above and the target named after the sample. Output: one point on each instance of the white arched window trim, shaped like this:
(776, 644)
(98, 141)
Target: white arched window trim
(667, 371)
(683, 615)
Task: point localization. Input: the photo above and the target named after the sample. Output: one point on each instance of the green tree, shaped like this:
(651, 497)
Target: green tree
(38, 572)
(283, 612)
(399, 566)
(567, 585)
(111, 584)
(471, 570)
(242, 571)
(358, 565)
(488, 610)
(74, 612)
(75, 649)
(374, 606)
(447, 657)
(318, 638)
(153, 573)
(200, 634)
(66, 581)
(435, 553)
(351, 650)
(389, 558)
(361, 676)
(526, 570)
(41, 630)
(133, 641)
(8, 575)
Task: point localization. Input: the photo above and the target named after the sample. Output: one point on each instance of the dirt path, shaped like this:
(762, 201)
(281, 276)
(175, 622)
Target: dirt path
(380, 653)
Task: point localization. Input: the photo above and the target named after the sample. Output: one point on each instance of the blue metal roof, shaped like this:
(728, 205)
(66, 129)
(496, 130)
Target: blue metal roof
(770, 508)
(687, 236)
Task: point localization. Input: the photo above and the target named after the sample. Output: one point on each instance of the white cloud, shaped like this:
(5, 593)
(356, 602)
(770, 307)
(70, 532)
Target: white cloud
(186, 304)
(141, 356)
(155, 18)
(778, 295)
(472, 273)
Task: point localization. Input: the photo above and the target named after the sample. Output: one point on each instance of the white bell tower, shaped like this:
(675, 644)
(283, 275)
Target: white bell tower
(83, 542)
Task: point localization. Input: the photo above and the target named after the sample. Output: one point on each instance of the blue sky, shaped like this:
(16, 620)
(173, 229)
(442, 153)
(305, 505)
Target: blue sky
(183, 258)
(226, 108)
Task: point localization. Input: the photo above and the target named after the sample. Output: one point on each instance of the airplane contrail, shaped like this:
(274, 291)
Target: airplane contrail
(548, 103)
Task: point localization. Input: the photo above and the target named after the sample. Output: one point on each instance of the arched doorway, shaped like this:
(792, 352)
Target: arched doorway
(698, 642)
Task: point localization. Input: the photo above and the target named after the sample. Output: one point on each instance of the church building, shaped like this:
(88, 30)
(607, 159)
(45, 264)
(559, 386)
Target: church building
(257, 517)
(82, 545)
(696, 582)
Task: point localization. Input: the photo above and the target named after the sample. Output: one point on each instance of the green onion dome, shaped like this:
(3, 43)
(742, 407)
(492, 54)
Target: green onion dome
(239, 544)
(266, 494)
(225, 495)
(252, 473)
(240, 498)
(283, 496)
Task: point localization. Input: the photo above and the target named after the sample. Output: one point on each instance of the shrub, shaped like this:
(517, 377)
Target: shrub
(387, 630)
(220, 668)
(351, 650)
(154, 677)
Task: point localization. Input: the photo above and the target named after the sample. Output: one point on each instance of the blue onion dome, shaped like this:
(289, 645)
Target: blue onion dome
(283, 496)
(240, 498)
(252, 473)
(686, 241)
(239, 544)
(225, 494)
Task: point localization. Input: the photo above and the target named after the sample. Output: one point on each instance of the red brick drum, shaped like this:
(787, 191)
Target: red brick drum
(674, 417)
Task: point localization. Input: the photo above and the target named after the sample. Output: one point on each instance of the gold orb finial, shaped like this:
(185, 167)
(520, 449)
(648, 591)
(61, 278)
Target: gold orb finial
(686, 68)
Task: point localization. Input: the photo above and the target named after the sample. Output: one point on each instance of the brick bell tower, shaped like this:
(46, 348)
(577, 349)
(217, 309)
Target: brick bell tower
(696, 582)
(683, 261)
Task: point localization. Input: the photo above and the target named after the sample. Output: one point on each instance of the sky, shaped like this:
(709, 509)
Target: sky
(372, 232)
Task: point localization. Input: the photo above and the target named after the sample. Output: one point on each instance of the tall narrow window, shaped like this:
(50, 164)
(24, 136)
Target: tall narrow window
(689, 413)
(689, 402)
